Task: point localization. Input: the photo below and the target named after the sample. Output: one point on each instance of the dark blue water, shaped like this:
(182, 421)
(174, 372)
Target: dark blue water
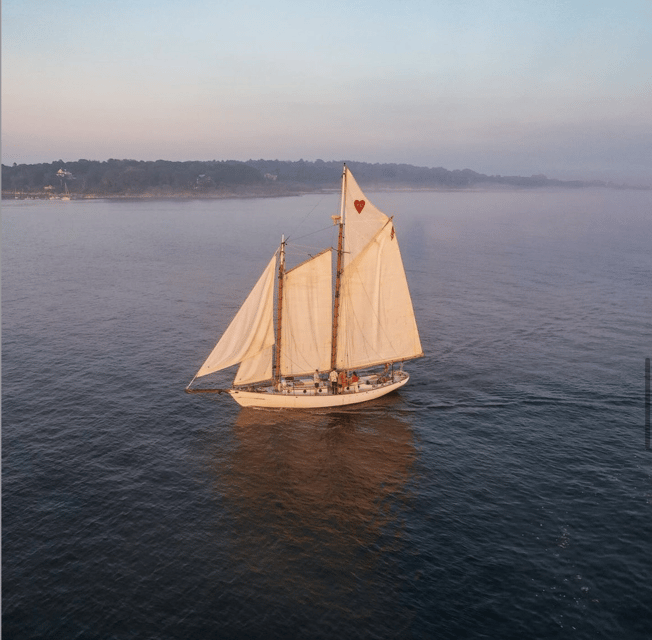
(506, 492)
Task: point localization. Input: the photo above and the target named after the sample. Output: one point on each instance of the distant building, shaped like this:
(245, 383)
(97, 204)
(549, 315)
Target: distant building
(204, 182)
(269, 176)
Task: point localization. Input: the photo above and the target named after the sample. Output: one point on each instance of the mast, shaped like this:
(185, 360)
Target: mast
(279, 311)
(338, 274)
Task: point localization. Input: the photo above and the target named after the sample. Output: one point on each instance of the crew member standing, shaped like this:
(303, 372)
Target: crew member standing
(332, 378)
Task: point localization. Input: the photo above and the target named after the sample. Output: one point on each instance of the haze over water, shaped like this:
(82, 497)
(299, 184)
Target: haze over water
(505, 492)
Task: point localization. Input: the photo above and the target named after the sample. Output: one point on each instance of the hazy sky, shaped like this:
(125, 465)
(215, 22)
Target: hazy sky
(561, 87)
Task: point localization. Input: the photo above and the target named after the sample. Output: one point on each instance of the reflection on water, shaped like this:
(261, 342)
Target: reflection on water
(317, 502)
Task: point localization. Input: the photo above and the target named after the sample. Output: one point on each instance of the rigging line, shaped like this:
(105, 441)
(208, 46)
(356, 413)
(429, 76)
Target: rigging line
(304, 248)
(306, 217)
(314, 232)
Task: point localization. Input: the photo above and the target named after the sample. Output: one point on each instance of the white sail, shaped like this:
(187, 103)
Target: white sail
(362, 220)
(307, 316)
(255, 369)
(250, 334)
(377, 322)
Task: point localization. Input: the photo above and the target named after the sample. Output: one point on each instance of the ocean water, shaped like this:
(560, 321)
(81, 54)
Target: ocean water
(506, 492)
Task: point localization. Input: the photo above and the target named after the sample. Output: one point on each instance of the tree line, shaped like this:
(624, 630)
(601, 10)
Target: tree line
(265, 177)
(127, 177)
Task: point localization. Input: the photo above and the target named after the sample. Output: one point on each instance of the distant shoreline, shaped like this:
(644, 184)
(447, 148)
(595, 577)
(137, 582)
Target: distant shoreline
(6, 195)
(227, 179)
(246, 194)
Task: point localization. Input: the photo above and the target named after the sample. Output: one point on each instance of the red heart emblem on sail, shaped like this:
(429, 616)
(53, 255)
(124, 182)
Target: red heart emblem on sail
(359, 205)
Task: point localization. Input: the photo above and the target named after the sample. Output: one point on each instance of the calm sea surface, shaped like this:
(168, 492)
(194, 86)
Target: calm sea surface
(506, 492)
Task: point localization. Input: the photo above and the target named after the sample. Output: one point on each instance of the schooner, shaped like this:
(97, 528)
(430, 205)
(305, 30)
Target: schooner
(366, 323)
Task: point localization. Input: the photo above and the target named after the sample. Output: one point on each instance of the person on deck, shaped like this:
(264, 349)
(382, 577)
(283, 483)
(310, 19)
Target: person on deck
(315, 377)
(354, 381)
(341, 379)
(332, 378)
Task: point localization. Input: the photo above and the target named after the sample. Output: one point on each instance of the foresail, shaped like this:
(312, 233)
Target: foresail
(377, 322)
(250, 334)
(255, 369)
(307, 314)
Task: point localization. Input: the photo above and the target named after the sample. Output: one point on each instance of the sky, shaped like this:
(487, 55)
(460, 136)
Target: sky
(508, 87)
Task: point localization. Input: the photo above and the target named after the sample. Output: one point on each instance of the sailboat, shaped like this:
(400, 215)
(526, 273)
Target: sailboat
(365, 325)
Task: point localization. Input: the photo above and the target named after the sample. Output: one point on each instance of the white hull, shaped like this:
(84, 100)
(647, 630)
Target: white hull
(311, 399)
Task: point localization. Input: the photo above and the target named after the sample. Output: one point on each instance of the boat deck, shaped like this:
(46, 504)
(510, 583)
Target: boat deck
(306, 386)
(302, 393)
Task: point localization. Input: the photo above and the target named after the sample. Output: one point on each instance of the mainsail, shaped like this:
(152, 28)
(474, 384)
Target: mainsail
(250, 336)
(377, 321)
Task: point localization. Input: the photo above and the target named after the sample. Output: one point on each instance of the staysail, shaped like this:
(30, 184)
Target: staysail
(250, 336)
(377, 322)
(307, 314)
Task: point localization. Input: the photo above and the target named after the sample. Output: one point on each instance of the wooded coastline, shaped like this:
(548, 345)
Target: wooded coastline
(229, 178)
